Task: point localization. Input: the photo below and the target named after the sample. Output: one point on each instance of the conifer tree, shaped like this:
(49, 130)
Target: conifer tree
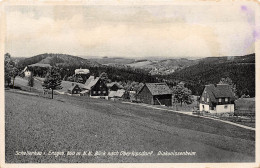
(52, 80)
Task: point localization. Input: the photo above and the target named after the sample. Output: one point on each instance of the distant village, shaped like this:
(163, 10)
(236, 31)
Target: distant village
(215, 99)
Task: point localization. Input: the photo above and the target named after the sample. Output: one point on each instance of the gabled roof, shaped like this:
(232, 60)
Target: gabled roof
(158, 88)
(89, 80)
(112, 94)
(219, 91)
(118, 93)
(72, 87)
(109, 85)
(91, 83)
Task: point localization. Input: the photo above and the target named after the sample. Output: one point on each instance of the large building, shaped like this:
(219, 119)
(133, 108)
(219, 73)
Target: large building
(155, 94)
(217, 99)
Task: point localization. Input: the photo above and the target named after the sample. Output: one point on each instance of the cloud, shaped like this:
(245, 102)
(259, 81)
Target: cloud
(128, 31)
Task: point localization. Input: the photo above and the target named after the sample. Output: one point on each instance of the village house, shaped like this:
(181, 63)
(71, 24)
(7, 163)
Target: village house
(115, 90)
(217, 99)
(81, 75)
(155, 94)
(114, 86)
(96, 88)
(81, 71)
(116, 94)
(74, 89)
(27, 72)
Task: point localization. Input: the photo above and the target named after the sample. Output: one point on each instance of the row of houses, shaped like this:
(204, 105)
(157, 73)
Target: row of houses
(97, 88)
(214, 99)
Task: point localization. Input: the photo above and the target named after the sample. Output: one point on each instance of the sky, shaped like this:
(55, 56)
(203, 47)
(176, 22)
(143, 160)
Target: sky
(131, 31)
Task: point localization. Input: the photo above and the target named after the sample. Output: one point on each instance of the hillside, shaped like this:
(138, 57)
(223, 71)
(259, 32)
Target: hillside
(163, 67)
(73, 123)
(57, 59)
(240, 69)
(153, 66)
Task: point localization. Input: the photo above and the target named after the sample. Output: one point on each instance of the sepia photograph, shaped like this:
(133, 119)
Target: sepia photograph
(129, 83)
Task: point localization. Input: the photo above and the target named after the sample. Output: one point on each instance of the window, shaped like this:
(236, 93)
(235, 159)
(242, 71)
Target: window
(94, 92)
(104, 91)
(219, 100)
(226, 99)
(202, 98)
(207, 99)
(99, 92)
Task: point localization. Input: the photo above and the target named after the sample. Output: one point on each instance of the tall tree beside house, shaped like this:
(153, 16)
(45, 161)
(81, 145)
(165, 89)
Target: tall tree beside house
(31, 81)
(182, 94)
(52, 80)
(11, 71)
(228, 81)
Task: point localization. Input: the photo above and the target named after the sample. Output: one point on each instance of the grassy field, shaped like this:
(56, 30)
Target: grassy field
(68, 123)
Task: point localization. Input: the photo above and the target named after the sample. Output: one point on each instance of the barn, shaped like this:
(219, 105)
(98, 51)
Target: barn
(155, 94)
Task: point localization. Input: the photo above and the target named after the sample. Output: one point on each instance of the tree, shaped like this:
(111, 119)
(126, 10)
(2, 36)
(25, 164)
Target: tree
(228, 81)
(52, 80)
(79, 79)
(11, 71)
(103, 76)
(31, 81)
(182, 94)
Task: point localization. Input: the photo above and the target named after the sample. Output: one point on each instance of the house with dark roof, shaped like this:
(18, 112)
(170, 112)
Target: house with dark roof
(114, 86)
(217, 99)
(74, 89)
(96, 87)
(155, 94)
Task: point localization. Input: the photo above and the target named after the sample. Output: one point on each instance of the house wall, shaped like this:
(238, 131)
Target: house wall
(100, 89)
(227, 108)
(27, 73)
(163, 99)
(206, 107)
(76, 90)
(145, 96)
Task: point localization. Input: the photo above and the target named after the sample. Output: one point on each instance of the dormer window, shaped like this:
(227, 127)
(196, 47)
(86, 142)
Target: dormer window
(202, 98)
(219, 100)
(226, 99)
(207, 99)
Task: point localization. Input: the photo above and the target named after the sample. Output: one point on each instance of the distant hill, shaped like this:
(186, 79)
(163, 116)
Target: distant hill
(241, 69)
(163, 67)
(112, 60)
(57, 59)
(153, 66)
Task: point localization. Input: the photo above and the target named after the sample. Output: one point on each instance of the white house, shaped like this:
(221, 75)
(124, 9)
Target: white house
(81, 71)
(217, 99)
(27, 72)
